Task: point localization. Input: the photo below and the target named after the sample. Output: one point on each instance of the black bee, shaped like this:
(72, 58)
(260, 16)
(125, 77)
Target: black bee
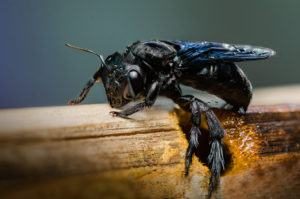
(148, 69)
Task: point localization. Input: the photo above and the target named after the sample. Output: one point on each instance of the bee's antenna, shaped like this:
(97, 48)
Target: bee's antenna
(87, 50)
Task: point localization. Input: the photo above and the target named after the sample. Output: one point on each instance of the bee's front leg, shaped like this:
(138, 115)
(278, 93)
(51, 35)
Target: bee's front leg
(150, 99)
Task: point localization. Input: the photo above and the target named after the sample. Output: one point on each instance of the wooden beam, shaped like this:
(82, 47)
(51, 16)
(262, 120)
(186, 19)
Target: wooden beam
(82, 152)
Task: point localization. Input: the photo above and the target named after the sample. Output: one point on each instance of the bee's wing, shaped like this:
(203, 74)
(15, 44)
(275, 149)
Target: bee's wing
(195, 53)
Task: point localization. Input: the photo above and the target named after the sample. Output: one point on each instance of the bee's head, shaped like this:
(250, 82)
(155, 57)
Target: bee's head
(122, 82)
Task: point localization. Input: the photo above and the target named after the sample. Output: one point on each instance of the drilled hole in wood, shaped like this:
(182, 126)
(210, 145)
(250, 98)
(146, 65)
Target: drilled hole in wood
(203, 150)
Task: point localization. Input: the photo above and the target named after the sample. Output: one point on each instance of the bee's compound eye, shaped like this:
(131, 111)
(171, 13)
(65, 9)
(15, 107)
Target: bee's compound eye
(135, 83)
(133, 74)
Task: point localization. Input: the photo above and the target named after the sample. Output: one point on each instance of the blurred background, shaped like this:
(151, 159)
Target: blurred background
(37, 70)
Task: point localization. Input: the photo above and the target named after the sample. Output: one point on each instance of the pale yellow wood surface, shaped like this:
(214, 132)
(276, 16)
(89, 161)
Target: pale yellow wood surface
(277, 95)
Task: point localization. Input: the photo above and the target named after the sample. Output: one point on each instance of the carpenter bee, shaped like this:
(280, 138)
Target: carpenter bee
(148, 69)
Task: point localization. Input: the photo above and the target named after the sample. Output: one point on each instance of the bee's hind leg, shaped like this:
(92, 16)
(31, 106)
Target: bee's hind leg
(215, 157)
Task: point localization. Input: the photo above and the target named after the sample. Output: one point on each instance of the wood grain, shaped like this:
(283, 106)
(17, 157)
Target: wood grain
(82, 152)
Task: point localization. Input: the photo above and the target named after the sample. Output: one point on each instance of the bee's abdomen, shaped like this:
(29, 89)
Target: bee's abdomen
(225, 80)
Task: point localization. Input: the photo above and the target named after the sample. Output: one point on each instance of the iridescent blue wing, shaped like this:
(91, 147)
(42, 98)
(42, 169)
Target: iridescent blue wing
(195, 53)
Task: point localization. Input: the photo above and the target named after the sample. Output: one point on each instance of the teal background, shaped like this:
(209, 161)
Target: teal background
(37, 70)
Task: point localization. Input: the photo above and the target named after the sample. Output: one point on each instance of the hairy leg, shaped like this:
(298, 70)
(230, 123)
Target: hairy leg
(194, 134)
(148, 102)
(215, 158)
(129, 111)
(96, 78)
(83, 93)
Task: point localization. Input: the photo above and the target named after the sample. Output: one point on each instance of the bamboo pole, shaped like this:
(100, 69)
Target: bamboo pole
(82, 152)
